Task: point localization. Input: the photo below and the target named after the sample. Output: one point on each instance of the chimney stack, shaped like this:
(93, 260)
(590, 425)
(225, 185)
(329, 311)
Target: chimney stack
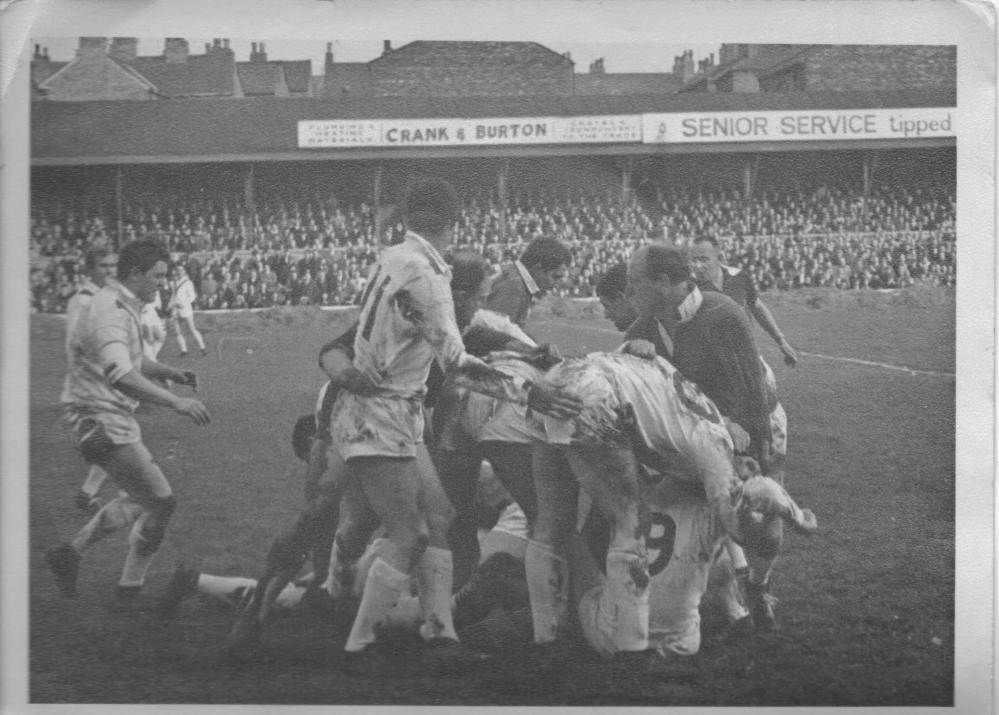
(258, 54)
(386, 47)
(175, 50)
(329, 53)
(92, 47)
(124, 49)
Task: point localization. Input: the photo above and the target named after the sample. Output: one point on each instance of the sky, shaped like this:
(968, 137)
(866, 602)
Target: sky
(618, 56)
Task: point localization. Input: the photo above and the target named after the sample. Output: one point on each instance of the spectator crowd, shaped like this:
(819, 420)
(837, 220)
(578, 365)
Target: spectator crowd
(316, 251)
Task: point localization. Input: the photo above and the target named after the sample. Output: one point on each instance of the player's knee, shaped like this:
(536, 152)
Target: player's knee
(154, 527)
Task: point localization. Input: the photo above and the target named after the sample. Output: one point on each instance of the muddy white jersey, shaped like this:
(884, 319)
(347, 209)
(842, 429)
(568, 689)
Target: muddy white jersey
(407, 318)
(647, 405)
(105, 345)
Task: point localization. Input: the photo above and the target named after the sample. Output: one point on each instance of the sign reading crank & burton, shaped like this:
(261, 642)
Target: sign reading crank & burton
(322, 134)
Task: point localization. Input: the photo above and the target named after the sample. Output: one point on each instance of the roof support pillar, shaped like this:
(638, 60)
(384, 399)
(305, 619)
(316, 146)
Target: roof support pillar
(376, 192)
(249, 193)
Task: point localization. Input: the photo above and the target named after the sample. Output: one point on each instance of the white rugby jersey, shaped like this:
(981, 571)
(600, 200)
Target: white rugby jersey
(184, 294)
(487, 418)
(501, 323)
(678, 429)
(407, 317)
(78, 304)
(105, 345)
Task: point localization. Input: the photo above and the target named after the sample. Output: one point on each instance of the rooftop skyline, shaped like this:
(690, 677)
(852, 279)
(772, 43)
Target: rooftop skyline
(618, 57)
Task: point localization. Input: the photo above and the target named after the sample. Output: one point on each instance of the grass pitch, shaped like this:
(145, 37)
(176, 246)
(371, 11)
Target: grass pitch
(866, 605)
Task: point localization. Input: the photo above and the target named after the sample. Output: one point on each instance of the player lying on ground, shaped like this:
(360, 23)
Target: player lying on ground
(107, 378)
(635, 411)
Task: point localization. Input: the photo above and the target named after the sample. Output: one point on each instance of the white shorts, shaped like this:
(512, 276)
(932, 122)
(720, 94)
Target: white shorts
(376, 426)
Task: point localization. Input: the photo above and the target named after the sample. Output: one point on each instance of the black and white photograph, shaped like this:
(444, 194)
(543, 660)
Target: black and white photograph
(498, 353)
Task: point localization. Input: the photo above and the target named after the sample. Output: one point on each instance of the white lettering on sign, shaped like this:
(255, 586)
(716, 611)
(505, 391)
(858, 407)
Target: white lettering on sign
(315, 134)
(839, 124)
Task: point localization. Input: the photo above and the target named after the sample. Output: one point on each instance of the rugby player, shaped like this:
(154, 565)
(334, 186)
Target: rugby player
(108, 375)
(635, 411)
(182, 310)
(98, 266)
(709, 339)
(541, 267)
(712, 274)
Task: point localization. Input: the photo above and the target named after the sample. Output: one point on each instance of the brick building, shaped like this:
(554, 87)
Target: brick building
(817, 68)
(463, 69)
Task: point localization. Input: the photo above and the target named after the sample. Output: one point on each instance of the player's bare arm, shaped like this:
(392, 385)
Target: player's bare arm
(139, 387)
(766, 319)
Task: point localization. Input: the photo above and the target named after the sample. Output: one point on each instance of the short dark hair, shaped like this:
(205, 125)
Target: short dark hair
(705, 238)
(94, 256)
(430, 206)
(614, 282)
(142, 254)
(547, 253)
(668, 261)
(468, 270)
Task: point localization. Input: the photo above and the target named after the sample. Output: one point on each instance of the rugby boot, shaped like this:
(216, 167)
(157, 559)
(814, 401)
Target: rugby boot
(183, 583)
(494, 583)
(64, 563)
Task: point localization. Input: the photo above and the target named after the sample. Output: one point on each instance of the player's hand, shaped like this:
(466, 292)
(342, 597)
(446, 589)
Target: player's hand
(740, 437)
(193, 408)
(639, 348)
(552, 401)
(790, 356)
(353, 380)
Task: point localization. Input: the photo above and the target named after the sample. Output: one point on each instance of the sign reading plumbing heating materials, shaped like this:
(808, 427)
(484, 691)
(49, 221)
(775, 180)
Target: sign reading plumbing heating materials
(810, 125)
(317, 134)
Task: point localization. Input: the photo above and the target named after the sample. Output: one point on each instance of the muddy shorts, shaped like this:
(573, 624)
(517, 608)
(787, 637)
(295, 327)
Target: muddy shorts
(381, 426)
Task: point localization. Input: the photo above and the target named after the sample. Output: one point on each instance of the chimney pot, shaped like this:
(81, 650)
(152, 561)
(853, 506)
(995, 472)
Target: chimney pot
(386, 46)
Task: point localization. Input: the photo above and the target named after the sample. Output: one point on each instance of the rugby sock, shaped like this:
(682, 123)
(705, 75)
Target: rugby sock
(434, 575)
(628, 590)
(382, 589)
(736, 554)
(227, 589)
(95, 478)
(548, 588)
(118, 513)
(407, 613)
(138, 560)
(180, 340)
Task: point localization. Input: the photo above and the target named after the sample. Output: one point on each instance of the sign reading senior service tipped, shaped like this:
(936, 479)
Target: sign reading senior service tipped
(810, 125)
(343, 133)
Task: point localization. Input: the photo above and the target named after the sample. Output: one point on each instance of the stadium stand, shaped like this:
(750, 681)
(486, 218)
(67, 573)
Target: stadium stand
(315, 251)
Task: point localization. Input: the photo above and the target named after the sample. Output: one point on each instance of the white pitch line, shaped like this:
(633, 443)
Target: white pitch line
(886, 366)
(869, 363)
